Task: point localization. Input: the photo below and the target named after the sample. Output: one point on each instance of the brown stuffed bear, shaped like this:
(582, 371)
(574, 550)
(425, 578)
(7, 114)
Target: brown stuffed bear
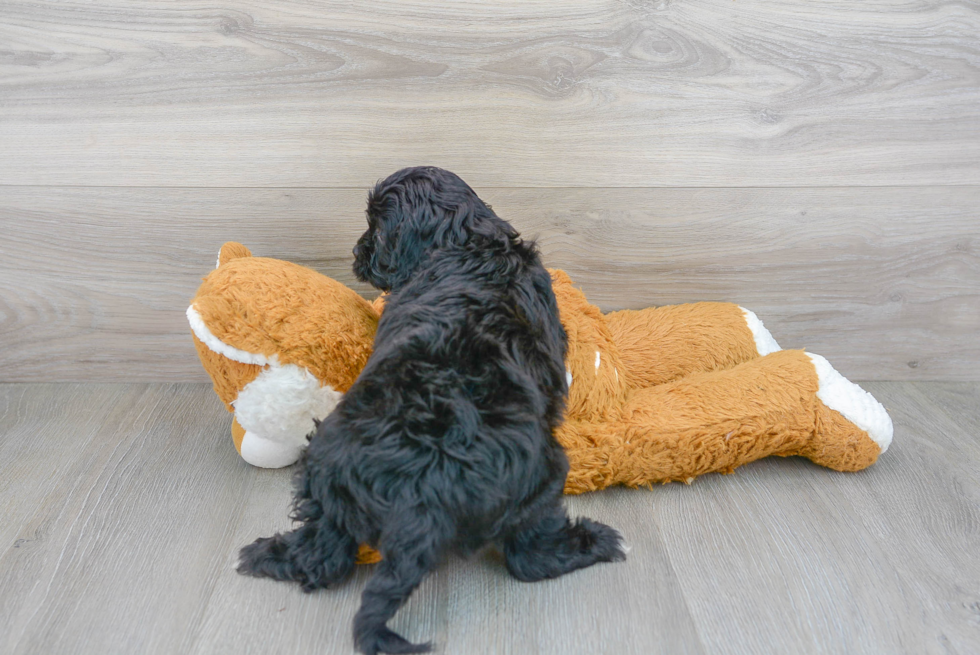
(655, 395)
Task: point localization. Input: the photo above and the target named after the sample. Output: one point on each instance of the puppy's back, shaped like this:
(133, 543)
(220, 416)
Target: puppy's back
(464, 387)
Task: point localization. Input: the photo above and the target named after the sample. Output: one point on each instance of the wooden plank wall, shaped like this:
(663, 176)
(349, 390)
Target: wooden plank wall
(818, 162)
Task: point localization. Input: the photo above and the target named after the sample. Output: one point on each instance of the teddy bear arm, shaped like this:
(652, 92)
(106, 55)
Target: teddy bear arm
(662, 344)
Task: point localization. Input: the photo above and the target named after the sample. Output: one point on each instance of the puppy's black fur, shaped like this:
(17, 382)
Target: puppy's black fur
(445, 441)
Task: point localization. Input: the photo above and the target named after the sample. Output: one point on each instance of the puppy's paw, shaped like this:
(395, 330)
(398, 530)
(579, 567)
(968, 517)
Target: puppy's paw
(382, 640)
(603, 543)
(266, 558)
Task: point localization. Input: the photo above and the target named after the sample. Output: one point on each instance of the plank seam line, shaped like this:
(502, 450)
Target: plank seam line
(493, 188)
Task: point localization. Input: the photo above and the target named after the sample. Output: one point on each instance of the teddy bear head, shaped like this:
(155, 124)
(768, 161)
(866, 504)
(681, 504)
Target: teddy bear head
(281, 343)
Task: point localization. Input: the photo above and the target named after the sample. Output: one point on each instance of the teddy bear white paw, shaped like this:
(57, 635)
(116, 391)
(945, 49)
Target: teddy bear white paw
(269, 454)
(279, 410)
(852, 402)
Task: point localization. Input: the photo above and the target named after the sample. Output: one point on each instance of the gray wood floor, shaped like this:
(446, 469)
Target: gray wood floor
(123, 507)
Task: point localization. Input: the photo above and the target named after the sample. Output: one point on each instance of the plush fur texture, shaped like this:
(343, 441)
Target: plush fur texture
(296, 342)
(445, 441)
(254, 311)
(627, 372)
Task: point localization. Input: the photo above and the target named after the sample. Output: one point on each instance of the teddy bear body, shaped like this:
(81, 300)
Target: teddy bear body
(655, 395)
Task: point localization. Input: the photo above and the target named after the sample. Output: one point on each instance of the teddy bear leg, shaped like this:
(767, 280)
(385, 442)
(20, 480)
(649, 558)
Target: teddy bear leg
(786, 403)
(702, 423)
(851, 429)
(661, 344)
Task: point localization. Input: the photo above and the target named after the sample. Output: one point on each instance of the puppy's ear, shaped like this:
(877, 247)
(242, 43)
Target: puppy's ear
(467, 220)
(374, 259)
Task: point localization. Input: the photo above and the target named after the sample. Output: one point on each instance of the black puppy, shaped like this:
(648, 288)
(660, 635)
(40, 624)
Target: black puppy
(445, 441)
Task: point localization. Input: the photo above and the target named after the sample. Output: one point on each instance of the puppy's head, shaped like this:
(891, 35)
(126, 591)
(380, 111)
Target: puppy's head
(414, 212)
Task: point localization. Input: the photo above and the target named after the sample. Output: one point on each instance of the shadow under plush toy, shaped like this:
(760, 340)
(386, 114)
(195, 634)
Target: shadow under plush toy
(655, 395)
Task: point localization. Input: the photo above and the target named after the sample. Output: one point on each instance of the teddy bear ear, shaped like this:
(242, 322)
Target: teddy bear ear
(232, 250)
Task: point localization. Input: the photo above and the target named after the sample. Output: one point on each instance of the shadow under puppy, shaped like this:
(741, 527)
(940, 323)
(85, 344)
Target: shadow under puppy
(445, 441)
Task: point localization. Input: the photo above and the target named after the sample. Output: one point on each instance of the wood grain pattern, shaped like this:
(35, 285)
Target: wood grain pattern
(83, 412)
(883, 282)
(559, 93)
(121, 529)
(789, 557)
(121, 556)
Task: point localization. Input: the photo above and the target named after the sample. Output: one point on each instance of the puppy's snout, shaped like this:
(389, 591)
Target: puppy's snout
(357, 250)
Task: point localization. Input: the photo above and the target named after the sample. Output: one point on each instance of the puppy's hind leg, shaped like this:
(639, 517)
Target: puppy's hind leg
(553, 545)
(409, 551)
(316, 554)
